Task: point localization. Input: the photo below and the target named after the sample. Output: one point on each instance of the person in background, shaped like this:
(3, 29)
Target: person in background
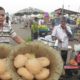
(34, 28)
(52, 24)
(78, 21)
(63, 32)
(7, 32)
(40, 21)
(7, 18)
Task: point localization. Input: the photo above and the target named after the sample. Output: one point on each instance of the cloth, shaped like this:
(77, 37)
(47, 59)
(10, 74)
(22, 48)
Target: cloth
(48, 38)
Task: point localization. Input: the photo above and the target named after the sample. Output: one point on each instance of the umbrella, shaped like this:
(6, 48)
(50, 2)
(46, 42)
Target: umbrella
(29, 11)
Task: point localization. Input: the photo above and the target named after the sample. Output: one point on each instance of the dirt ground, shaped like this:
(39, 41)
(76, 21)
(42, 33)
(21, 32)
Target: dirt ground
(24, 33)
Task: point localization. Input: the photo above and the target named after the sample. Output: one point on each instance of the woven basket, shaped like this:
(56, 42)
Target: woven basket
(5, 50)
(56, 63)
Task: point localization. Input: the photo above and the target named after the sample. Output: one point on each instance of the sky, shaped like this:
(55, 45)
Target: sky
(12, 6)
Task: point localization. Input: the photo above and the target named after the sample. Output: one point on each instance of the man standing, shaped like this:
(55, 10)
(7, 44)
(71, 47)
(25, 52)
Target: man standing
(62, 32)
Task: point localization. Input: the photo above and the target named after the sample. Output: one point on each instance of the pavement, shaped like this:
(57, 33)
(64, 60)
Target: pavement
(23, 32)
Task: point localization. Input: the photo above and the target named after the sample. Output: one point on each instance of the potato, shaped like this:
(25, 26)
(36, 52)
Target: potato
(25, 73)
(43, 74)
(19, 61)
(2, 66)
(29, 55)
(44, 61)
(5, 76)
(33, 66)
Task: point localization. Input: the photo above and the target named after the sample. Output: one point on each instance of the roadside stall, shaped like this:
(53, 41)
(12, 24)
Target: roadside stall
(43, 30)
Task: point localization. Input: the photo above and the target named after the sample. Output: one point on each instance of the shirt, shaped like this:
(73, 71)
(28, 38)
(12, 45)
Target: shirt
(5, 33)
(61, 35)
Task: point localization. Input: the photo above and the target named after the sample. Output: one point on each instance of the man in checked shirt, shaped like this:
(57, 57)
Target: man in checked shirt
(7, 32)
